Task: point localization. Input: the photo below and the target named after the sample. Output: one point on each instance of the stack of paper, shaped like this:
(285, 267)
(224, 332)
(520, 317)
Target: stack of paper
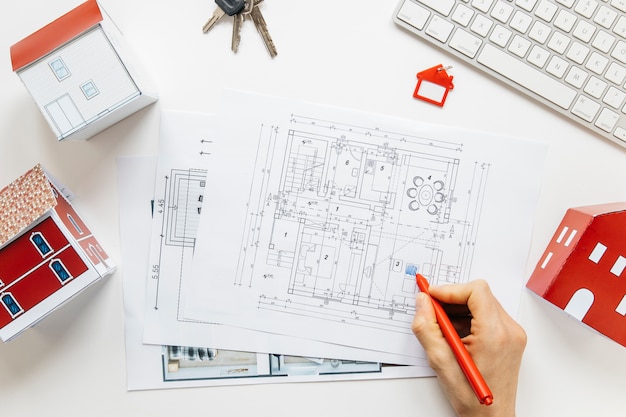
(280, 239)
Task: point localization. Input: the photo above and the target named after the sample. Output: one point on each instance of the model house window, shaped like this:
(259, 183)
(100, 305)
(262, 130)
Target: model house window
(59, 69)
(76, 226)
(597, 252)
(89, 89)
(40, 243)
(11, 305)
(619, 266)
(60, 271)
(621, 308)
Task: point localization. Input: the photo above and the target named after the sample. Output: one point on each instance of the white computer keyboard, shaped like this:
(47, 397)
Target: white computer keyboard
(567, 54)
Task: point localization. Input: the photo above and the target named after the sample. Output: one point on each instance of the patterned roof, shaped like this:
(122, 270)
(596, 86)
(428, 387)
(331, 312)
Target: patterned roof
(24, 201)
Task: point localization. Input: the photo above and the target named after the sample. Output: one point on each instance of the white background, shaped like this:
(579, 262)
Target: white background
(347, 53)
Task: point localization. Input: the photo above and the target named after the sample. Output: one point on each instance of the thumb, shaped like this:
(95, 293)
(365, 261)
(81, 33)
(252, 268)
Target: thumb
(425, 325)
(428, 332)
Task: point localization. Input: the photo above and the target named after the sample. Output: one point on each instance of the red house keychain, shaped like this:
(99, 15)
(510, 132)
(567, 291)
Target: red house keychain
(433, 85)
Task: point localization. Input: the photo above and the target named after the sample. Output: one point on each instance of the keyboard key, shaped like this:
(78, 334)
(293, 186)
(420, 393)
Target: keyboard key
(597, 63)
(586, 8)
(465, 43)
(603, 42)
(584, 31)
(527, 77)
(519, 46)
(607, 120)
(619, 52)
(578, 53)
(462, 15)
(565, 21)
(616, 73)
(481, 25)
(595, 87)
(502, 11)
(558, 42)
(557, 66)
(605, 17)
(585, 108)
(439, 29)
(540, 32)
(521, 21)
(620, 133)
(500, 35)
(440, 6)
(538, 56)
(576, 77)
(413, 14)
(614, 97)
(546, 10)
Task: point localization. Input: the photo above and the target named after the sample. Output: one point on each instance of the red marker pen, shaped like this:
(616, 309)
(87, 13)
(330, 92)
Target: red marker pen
(466, 362)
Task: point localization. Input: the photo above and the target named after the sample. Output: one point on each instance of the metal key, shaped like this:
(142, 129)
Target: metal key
(238, 20)
(261, 27)
(225, 7)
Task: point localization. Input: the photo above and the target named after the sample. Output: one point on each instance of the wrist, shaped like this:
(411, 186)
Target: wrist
(481, 410)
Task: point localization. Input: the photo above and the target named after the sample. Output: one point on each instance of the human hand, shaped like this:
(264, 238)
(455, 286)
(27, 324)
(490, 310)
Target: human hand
(495, 342)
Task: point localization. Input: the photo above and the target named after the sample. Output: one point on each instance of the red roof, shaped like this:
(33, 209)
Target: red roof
(24, 201)
(55, 34)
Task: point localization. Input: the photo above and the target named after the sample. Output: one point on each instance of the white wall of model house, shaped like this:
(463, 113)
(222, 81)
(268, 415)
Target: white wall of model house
(79, 82)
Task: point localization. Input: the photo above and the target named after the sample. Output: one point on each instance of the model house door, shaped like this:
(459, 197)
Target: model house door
(65, 114)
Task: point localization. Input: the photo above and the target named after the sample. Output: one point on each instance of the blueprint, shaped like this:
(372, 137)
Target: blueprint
(322, 211)
(348, 216)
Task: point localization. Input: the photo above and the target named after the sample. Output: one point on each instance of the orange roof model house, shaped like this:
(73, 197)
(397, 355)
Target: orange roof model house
(47, 253)
(582, 269)
(80, 73)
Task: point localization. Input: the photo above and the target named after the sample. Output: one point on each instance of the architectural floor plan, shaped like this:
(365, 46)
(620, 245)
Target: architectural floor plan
(345, 215)
(324, 210)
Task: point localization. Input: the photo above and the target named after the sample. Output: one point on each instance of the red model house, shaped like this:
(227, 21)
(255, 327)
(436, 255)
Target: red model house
(582, 269)
(47, 253)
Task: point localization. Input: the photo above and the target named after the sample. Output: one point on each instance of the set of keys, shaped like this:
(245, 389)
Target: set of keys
(239, 10)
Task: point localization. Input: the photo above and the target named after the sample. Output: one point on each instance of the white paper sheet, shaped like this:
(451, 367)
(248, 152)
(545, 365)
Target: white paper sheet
(318, 212)
(135, 187)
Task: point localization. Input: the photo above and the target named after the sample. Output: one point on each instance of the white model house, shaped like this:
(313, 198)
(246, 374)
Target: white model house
(80, 73)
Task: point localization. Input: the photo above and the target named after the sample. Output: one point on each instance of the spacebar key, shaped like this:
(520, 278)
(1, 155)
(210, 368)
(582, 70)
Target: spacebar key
(526, 76)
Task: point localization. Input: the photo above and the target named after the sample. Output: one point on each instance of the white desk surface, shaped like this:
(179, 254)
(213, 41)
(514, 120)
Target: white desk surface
(347, 53)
